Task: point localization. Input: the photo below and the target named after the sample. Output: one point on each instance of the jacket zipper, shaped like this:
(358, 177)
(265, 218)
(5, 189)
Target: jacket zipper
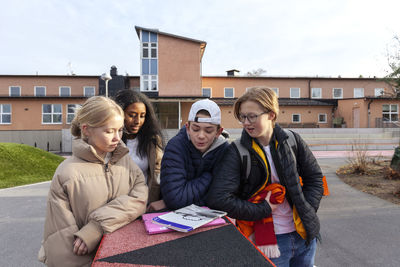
(108, 181)
(106, 168)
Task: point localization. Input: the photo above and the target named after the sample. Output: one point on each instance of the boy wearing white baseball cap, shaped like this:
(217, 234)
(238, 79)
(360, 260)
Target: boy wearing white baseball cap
(189, 157)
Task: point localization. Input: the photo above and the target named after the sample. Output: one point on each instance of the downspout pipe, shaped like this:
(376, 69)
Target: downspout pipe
(369, 112)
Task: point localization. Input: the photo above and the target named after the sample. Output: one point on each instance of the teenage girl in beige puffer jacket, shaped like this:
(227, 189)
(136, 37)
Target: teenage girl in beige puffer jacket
(97, 190)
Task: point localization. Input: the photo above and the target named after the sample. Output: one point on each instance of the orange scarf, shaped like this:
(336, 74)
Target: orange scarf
(263, 229)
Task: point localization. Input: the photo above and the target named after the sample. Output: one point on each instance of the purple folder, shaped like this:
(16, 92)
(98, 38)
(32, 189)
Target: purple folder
(153, 228)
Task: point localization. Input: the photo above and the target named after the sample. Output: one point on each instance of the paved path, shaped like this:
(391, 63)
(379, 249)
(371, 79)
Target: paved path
(357, 229)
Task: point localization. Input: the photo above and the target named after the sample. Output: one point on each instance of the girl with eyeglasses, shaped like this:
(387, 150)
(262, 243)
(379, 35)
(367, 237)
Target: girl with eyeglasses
(273, 206)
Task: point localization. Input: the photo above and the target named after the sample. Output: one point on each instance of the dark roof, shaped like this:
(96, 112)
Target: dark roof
(306, 102)
(59, 76)
(289, 77)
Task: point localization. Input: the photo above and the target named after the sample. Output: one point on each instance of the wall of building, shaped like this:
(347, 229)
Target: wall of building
(376, 109)
(179, 63)
(27, 113)
(240, 83)
(52, 84)
(49, 140)
(348, 86)
(349, 108)
(309, 115)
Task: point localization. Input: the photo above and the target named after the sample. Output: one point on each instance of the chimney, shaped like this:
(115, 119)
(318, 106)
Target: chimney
(113, 71)
(231, 72)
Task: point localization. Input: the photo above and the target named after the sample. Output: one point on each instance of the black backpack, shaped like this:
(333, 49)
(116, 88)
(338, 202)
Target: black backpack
(245, 154)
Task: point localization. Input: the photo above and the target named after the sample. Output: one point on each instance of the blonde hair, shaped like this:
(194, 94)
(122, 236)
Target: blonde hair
(95, 112)
(264, 96)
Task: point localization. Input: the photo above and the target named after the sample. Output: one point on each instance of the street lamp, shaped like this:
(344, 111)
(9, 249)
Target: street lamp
(106, 77)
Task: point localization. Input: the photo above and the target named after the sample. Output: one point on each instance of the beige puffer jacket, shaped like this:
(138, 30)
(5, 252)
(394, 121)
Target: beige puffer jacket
(88, 198)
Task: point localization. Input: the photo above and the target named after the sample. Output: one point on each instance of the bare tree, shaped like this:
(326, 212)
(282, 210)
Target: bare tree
(393, 59)
(256, 73)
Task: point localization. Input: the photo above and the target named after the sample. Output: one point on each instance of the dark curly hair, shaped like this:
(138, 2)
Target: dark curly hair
(150, 132)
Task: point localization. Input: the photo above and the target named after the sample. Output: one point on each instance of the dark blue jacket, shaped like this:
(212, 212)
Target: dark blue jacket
(186, 173)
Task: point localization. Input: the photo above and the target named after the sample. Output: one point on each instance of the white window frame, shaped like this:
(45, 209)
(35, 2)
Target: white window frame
(5, 113)
(390, 112)
(52, 114)
(40, 86)
(14, 86)
(87, 87)
(291, 92)
(233, 92)
(69, 90)
(358, 89)
(296, 114)
(333, 93)
(315, 89)
(276, 90)
(148, 81)
(209, 88)
(69, 113)
(325, 116)
(379, 92)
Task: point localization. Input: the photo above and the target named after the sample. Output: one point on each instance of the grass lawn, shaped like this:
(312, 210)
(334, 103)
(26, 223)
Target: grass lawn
(22, 164)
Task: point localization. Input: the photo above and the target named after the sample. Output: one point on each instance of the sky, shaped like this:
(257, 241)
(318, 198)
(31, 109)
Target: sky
(324, 38)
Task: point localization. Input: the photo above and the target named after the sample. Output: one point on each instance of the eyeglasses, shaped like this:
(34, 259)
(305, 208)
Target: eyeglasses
(252, 118)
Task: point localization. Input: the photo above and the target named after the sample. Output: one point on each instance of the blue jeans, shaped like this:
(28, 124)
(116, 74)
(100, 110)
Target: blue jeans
(294, 251)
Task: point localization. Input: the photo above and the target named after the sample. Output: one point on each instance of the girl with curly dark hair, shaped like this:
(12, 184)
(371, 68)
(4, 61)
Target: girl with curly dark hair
(142, 135)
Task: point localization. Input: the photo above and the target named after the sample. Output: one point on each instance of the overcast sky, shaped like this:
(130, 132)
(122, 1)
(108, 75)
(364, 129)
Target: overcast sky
(285, 38)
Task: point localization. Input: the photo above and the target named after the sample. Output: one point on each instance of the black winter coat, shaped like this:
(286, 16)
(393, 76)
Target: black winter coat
(230, 189)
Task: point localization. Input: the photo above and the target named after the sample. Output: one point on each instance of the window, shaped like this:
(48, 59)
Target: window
(294, 92)
(322, 118)
(71, 109)
(379, 91)
(276, 90)
(206, 92)
(149, 73)
(88, 91)
(15, 90)
(337, 92)
(390, 112)
(65, 91)
(316, 92)
(296, 118)
(228, 92)
(5, 113)
(51, 114)
(358, 92)
(40, 90)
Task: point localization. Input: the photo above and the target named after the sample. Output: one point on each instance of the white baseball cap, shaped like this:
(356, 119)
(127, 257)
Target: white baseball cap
(209, 106)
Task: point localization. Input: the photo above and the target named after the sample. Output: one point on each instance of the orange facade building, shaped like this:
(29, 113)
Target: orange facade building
(36, 108)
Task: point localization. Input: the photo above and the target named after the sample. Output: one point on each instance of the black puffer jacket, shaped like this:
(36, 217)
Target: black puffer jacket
(230, 189)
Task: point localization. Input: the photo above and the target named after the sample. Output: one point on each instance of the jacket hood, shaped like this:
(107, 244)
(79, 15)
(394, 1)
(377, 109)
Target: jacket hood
(83, 150)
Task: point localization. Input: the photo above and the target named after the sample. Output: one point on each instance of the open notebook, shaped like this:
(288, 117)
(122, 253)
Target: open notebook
(153, 228)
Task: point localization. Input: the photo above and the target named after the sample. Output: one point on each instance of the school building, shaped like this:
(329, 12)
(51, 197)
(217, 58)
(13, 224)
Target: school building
(37, 109)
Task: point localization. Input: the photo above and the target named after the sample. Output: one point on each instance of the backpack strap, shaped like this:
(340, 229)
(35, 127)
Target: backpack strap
(245, 156)
(292, 144)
